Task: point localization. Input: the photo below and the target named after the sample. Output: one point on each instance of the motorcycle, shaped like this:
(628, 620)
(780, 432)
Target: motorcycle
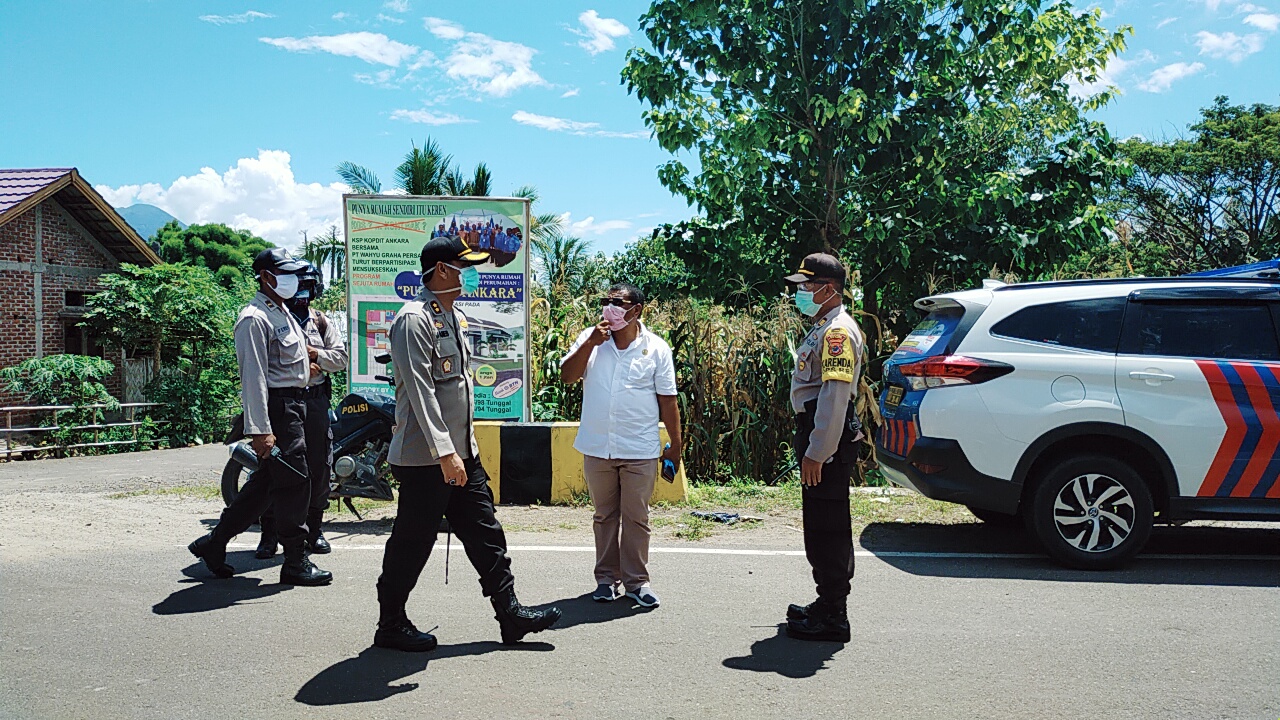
(361, 427)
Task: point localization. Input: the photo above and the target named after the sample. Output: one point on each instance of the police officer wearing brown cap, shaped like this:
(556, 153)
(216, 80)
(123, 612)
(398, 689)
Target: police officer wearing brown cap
(434, 456)
(271, 348)
(823, 390)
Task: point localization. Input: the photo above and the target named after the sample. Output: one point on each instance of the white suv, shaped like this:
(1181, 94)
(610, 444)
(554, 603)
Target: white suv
(1091, 409)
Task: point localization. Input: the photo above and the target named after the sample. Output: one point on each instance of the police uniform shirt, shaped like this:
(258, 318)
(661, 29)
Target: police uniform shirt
(331, 352)
(272, 351)
(827, 366)
(434, 401)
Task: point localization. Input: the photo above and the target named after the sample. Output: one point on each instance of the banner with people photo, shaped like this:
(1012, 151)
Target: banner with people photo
(385, 235)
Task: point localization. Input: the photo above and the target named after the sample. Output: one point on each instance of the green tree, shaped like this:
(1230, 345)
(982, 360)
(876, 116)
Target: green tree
(424, 171)
(650, 266)
(908, 136)
(1211, 199)
(562, 265)
(329, 250)
(226, 252)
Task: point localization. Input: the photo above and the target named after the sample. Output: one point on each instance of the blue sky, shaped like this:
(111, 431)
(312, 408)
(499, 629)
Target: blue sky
(237, 111)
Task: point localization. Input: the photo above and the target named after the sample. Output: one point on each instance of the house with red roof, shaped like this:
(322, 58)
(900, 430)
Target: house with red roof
(57, 236)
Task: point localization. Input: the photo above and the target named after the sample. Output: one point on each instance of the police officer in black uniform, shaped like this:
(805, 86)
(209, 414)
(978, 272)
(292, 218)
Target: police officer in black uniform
(327, 353)
(271, 349)
(435, 458)
(823, 390)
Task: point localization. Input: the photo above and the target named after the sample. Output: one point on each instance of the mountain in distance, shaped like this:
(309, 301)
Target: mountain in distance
(146, 219)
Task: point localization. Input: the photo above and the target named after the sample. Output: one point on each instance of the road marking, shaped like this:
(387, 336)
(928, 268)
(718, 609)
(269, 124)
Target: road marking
(800, 553)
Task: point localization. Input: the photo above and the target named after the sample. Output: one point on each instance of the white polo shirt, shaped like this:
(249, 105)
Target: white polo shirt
(620, 390)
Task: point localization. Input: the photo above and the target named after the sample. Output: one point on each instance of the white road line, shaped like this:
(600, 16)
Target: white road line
(800, 553)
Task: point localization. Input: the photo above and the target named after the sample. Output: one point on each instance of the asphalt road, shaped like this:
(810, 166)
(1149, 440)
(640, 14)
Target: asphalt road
(953, 622)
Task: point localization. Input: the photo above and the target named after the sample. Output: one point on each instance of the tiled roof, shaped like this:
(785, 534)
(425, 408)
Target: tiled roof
(18, 185)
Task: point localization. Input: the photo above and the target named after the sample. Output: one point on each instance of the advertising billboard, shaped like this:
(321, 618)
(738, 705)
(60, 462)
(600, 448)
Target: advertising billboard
(385, 235)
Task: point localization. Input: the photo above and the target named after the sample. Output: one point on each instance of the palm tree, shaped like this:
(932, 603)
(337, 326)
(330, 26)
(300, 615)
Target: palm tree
(424, 171)
(544, 226)
(329, 249)
(562, 262)
(362, 180)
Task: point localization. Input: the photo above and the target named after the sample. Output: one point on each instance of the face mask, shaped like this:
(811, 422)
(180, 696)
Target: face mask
(470, 278)
(806, 304)
(615, 316)
(286, 286)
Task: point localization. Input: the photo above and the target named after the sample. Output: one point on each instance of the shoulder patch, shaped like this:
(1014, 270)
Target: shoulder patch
(837, 355)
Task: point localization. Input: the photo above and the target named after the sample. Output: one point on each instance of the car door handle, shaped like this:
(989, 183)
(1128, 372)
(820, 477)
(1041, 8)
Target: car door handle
(1151, 376)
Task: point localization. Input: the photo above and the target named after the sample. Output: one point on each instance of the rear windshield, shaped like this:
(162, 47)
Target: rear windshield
(931, 336)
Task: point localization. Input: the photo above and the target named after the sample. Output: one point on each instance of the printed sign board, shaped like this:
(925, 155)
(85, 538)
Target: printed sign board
(385, 235)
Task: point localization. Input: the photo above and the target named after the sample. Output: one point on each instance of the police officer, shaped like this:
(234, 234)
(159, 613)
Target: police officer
(434, 456)
(823, 388)
(274, 372)
(327, 354)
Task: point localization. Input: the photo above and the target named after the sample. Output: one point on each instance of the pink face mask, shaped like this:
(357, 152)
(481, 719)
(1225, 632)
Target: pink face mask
(615, 316)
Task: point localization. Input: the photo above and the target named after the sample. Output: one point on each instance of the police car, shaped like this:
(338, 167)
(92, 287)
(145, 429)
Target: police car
(1089, 410)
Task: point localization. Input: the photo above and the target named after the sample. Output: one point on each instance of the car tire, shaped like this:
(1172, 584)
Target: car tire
(1104, 499)
(994, 518)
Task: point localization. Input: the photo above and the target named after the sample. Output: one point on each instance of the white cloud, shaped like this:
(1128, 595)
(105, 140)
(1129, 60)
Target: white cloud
(492, 67)
(382, 78)
(428, 117)
(1264, 21)
(589, 226)
(340, 16)
(258, 194)
(570, 93)
(387, 18)
(1164, 78)
(1166, 21)
(243, 17)
(599, 32)
(400, 6)
(371, 47)
(573, 127)
(1228, 45)
(444, 29)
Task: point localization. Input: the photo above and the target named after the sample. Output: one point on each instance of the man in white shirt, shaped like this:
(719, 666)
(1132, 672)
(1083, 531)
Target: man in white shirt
(628, 385)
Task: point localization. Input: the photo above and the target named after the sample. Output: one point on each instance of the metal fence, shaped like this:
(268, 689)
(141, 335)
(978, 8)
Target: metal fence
(12, 447)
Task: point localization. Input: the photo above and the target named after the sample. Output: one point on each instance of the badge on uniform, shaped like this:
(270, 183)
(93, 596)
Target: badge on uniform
(282, 331)
(837, 363)
(439, 325)
(462, 323)
(442, 334)
(435, 307)
(447, 365)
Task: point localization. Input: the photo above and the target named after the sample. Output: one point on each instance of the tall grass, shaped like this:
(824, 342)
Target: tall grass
(733, 371)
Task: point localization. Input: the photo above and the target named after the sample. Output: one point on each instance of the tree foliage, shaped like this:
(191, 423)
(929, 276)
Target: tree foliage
(1211, 199)
(425, 170)
(60, 380)
(226, 252)
(908, 136)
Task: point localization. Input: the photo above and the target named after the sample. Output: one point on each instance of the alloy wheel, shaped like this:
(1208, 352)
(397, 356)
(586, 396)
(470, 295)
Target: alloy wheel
(1094, 513)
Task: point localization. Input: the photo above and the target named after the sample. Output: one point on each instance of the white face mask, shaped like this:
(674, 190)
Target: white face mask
(286, 286)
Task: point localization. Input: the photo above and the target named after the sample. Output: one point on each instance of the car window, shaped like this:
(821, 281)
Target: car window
(1084, 324)
(1235, 331)
(931, 336)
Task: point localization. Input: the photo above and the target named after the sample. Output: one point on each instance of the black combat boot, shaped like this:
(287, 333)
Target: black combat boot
(395, 632)
(825, 621)
(214, 554)
(799, 612)
(315, 540)
(268, 541)
(517, 620)
(298, 568)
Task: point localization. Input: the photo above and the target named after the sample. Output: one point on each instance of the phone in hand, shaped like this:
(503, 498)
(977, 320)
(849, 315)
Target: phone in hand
(668, 467)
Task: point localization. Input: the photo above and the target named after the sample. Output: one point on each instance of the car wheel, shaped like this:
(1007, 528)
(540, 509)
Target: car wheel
(995, 519)
(1091, 512)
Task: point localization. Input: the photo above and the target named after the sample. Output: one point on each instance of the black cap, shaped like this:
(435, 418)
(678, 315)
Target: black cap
(277, 260)
(819, 266)
(451, 250)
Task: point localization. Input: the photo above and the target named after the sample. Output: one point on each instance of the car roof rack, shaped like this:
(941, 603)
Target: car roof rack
(1267, 269)
(1259, 279)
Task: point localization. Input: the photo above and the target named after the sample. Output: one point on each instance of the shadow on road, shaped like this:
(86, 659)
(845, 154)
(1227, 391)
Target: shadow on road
(784, 656)
(886, 540)
(372, 675)
(582, 610)
(208, 593)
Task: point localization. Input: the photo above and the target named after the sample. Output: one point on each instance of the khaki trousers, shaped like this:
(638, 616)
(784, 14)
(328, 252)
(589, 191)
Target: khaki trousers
(620, 491)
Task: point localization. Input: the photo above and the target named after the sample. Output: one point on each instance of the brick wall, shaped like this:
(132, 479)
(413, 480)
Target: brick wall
(62, 243)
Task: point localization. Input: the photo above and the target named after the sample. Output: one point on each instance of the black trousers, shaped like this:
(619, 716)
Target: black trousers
(319, 440)
(424, 499)
(283, 484)
(828, 525)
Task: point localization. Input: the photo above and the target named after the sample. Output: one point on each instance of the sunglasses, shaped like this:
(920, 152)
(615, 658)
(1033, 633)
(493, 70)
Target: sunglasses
(616, 302)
